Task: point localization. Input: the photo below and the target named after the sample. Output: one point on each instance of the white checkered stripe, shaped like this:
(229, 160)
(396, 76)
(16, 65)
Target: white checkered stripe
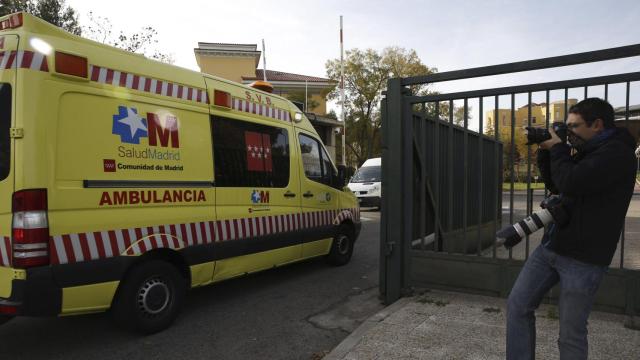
(24, 60)
(73, 248)
(149, 85)
(260, 109)
(5, 251)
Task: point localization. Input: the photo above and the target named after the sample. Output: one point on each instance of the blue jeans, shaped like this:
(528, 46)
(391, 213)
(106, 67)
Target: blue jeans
(578, 285)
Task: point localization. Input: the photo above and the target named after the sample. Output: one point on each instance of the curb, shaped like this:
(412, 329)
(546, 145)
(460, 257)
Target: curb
(350, 342)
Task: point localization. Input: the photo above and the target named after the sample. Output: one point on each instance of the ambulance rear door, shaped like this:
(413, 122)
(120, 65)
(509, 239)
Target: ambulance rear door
(8, 75)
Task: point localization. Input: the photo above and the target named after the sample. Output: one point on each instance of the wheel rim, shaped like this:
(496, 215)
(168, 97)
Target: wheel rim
(343, 244)
(153, 297)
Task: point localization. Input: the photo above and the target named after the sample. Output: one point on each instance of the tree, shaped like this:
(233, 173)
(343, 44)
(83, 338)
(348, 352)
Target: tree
(331, 115)
(458, 115)
(521, 150)
(52, 11)
(142, 42)
(365, 78)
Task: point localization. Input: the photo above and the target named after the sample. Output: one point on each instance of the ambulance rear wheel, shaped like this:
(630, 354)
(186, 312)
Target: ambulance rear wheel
(341, 247)
(150, 297)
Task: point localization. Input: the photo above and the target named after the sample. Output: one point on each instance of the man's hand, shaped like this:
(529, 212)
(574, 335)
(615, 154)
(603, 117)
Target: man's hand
(546, 145)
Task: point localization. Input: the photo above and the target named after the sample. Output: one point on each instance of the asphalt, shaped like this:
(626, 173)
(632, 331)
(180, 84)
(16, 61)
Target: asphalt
(448, 325)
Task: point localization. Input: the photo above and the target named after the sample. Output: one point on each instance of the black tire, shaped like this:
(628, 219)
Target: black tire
(341, 247)
(5, 318)
(150, 297)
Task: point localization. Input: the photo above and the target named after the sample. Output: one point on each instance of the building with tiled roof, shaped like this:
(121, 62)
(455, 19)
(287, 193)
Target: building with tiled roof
(239, 63)
(280, 76)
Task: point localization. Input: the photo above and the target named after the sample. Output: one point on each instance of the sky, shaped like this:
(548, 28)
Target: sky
(302, 35)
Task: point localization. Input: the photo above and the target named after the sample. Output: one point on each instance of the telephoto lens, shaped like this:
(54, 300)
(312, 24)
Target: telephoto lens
(552, 211)
(511, 235)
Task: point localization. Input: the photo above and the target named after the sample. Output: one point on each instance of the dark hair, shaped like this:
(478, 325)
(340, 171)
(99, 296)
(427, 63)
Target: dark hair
(592, 109)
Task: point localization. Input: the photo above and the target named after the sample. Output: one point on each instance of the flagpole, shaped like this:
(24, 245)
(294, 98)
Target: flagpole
(264, 62)
(306, 91)
(344, 122)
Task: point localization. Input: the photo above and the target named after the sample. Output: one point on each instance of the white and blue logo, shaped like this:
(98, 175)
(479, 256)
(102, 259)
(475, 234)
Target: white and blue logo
(255, 197)
(129, 125)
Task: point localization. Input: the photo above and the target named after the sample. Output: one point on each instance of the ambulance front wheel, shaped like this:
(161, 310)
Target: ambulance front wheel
(150, 297)
(342, 246)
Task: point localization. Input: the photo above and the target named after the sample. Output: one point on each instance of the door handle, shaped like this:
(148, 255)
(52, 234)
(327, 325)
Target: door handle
(289, 194)
(308, 194)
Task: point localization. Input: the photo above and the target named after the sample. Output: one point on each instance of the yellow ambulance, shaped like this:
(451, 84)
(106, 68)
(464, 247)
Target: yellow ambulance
(125, 181)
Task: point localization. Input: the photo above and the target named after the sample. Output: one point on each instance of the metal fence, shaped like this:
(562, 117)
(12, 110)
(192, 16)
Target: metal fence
(443, 183)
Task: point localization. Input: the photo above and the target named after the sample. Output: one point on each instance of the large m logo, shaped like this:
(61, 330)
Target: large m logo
(158, 132)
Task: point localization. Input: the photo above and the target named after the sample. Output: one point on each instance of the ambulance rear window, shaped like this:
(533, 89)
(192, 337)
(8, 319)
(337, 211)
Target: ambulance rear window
(5, 125)
(250, 155)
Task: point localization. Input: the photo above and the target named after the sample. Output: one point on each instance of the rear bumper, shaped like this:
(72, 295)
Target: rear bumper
(39, 291)
(38, 295)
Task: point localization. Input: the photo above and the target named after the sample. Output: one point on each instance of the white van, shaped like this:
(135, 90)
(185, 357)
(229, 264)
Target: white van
(366, 183)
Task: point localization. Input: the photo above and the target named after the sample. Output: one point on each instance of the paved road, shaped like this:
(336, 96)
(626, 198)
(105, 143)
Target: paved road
(297, 312)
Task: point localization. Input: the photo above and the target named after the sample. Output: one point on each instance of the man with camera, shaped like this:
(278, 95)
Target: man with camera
(595, 185)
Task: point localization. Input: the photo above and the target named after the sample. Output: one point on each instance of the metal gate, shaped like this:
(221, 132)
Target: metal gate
(443, 182)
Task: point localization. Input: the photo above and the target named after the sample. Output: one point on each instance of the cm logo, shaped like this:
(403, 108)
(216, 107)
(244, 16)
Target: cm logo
(259, 197)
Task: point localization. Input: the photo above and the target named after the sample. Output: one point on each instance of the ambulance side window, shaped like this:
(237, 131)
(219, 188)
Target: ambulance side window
(250, 155)
(316, 163)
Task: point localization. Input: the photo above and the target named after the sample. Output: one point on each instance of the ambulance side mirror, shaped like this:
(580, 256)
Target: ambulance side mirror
(341, 180)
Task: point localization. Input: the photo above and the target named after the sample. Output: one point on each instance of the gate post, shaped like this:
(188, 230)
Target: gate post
(397, 188)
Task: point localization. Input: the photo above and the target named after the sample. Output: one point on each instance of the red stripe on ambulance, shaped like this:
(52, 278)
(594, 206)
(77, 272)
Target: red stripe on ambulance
(73, 248)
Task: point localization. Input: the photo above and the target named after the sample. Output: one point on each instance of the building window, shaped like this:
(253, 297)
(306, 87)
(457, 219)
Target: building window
(250, 155)
(533, 120)
(504, 120)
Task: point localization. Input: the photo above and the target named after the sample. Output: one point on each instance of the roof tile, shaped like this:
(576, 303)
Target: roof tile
(273, 75)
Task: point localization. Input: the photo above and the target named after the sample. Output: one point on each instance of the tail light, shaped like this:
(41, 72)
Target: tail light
(30, 229)
(8, 310)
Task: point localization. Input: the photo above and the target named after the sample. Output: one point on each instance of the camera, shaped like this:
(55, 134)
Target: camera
(537, 135)
(552, 211)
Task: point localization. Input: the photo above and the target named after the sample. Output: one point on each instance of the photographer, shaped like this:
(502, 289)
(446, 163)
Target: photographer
(595, 184)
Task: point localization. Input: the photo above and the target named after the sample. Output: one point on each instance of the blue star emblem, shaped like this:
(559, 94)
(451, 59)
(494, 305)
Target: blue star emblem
(255, 196)
(129, 125)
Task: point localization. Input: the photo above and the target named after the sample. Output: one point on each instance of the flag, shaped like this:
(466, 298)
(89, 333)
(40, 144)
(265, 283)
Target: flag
(258, 147)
